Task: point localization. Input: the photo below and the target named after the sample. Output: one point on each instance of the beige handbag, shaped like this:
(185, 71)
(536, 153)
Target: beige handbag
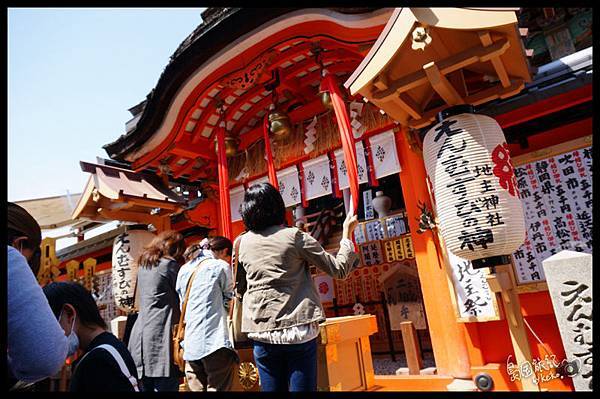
(234, 320)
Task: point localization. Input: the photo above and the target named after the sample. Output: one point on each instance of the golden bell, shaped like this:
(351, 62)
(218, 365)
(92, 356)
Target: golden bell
(231, 144)
(326, 99)
(279, 124)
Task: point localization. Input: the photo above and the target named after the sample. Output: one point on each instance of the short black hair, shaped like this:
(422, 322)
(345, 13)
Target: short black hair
(76, 295)
(262, 207)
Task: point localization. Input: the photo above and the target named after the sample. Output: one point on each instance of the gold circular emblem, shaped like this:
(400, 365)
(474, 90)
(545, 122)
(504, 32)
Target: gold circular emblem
(248, 374)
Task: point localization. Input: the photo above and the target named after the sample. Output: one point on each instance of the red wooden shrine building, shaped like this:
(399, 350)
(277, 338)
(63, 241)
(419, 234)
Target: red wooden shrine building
(294, 97)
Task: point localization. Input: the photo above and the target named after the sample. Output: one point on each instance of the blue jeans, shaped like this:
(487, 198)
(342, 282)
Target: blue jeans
(160, 384)
(287, 367)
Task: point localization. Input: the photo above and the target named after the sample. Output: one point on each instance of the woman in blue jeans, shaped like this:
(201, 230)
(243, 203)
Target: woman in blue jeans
(281, 308)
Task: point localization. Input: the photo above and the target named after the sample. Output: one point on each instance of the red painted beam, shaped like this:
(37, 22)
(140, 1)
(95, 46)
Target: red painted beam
(185, 169)
(206, 114)
(251, 113)
(186, 148)
(545, 107)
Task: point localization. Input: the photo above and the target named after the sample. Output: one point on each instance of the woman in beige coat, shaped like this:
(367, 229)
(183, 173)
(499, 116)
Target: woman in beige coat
(281, 307)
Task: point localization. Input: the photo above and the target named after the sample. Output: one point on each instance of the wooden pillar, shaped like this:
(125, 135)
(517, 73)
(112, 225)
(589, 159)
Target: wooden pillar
(412, 349)
(447, 336)
(225, 210)
(270, 164)
(501, 282)
(343, 120)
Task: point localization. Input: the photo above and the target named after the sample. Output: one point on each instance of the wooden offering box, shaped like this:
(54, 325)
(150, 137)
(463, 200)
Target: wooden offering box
(344, 354)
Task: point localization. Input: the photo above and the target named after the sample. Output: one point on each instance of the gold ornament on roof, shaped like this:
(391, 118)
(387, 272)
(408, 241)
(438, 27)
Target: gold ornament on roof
(420, 38)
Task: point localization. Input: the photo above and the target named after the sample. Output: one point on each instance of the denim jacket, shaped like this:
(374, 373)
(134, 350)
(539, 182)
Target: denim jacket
(205, 317)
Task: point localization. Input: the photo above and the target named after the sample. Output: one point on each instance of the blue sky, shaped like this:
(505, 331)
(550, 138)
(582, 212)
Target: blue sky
(72, 75)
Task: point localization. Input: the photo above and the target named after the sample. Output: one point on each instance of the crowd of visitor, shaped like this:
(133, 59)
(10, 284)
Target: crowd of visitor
(280, 308)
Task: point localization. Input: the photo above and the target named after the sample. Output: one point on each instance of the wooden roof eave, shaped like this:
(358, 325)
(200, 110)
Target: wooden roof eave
(84, 199)
(102, 201)
(403, 92)
(400, 25)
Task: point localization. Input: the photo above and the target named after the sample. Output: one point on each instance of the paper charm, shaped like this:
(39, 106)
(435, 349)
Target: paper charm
(311, 136)
(355, 112)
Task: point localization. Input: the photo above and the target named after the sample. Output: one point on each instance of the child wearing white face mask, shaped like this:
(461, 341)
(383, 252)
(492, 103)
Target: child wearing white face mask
(105, 363)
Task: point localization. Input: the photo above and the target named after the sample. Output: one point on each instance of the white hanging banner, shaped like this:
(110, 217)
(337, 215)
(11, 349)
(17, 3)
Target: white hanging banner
(289, 186)
(317, 178)
(236, 197)
(383, 152)
(475, 300)
(342, 171)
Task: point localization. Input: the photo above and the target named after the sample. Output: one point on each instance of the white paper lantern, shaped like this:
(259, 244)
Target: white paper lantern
(474, 188)
(127, 247)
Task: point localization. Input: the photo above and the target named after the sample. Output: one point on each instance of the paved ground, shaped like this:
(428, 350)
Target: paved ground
(383, 365)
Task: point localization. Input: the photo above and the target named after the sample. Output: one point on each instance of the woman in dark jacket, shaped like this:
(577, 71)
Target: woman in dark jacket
(281, 308)
(105, 364)
(151, 336)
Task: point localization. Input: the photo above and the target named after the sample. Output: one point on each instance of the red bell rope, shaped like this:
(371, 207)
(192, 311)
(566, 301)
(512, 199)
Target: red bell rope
(270, 164)
(347, 139)
(225, 214)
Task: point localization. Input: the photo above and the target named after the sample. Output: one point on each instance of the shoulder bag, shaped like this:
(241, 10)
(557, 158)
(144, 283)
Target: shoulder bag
(234, 320)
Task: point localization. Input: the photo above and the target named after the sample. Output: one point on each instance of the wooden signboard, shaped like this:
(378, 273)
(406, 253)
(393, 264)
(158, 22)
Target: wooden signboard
(371, 253)
(473, 299)
(555, 185)
(104, 296)
(403, 296)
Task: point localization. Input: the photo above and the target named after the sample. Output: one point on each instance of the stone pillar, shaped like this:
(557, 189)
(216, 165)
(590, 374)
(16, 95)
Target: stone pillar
(569, 279)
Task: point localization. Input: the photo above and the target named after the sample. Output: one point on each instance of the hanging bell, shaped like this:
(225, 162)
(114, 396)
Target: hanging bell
(279, 124)
(231, 145)
(325, 97)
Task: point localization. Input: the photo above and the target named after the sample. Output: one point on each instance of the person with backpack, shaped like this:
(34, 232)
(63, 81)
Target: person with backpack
(105, 364)
(207, 280)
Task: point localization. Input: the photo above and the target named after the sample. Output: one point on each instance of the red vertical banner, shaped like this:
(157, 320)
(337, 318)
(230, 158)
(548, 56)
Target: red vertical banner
(269, 153)
(223, 172)
(341, 114)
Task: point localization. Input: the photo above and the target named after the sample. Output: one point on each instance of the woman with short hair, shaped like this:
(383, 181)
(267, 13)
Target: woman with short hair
(281, 307)
(105, 364)
(151, 335)
(209, 355)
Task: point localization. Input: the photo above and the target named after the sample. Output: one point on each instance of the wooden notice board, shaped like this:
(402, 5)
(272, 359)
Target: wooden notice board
(555, 186)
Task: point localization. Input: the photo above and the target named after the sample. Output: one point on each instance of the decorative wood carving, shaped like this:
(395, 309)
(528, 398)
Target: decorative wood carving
(248, 77)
